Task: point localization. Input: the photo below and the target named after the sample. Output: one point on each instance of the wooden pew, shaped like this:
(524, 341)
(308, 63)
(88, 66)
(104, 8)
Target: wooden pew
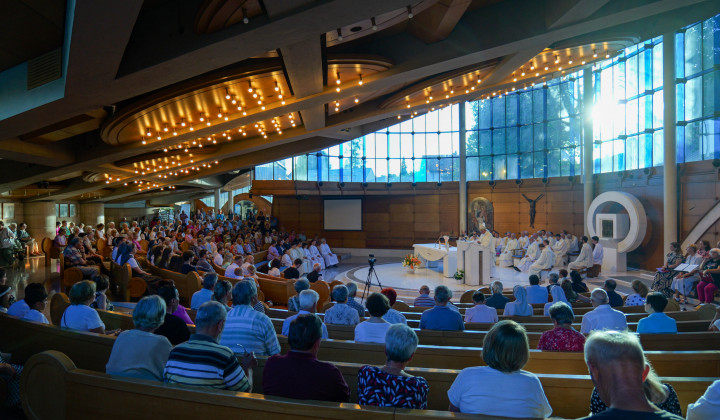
(58, 387)
(669, 363)
(186, 284)
(129, 287)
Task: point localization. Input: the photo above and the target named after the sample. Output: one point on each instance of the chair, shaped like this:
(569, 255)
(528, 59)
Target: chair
(593, 271)
(49, 249)
(335, 283)
(144, 246)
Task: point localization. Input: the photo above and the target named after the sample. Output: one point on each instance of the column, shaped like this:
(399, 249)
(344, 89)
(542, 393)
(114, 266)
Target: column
(587, 150)
(463, 180)
(217, 200)
(92, 214)
(40, 219)
(670, 196)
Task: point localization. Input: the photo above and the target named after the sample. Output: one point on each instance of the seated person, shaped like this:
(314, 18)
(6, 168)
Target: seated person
(222, 293)
(637, 298)
(20, 308)
(10, 374)
(299, 374)
(557, 296)
(205, 294)
(173, 327)
(501, 388)
(613, 296)
(274, 268)
(315, 275)
(232, 268)
(424, 299)
(294, 302)
(660, 394)
(392, 316)
(74, 258)
(36, 298)
(520, 306)
(390, 385)
(293, 272)
(481, 312)
(562, 337)
(535, 292)
(603, 317)
(618, 369)
(203, 264)
(79, 315)
(138, 353)
(553, 280)
(340, 313)
(247, 330)
(308, 305)
(373, 330)
(577, 282)
(352, 292)
(7, 299)
(497, 300)
(187, 266)
(202, 362)
(707, 406)
(441, 317)
(102, 284)
(657, 322)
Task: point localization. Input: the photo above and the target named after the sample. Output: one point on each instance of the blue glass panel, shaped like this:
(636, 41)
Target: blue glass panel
(512, 167)
(499, 168)
(554, 163)
(658, 148)
(539, 159)
(511, 139)
(485, 164)
(511, 113)
(498, 141)
(472, 169)
(526, 138)
(645, 151)
(498, 112)
(526, 108)
(485, 142)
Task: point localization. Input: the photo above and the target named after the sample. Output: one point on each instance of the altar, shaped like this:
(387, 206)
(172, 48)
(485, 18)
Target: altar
(433, 252)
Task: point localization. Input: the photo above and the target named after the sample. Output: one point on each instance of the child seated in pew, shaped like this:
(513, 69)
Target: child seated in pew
(657, 322)
(36, 299)
(102, 283)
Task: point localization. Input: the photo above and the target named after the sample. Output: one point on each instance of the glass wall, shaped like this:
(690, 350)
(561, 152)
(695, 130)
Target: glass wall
(425, 148)
(536, 132)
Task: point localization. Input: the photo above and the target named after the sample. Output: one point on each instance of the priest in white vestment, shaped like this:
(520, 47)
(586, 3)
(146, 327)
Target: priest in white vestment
(585, 259)
(532, 254)
(546, 260)
(330, 258)
(315, 255)
(523, 241)
(296, 252)
(506, 258)
(498, 243)
(560, 250)
(598, 251)
(307, 259)
(574, 245)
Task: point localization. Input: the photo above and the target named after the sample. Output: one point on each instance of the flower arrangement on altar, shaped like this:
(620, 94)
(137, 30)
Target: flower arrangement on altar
(411, 261)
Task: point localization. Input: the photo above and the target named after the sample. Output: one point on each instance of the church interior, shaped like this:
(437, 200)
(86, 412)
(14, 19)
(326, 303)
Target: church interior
(211, 190)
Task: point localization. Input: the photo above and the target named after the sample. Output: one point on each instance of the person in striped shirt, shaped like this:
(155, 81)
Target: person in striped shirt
(247, 328)
(202, 362)
(424, 299)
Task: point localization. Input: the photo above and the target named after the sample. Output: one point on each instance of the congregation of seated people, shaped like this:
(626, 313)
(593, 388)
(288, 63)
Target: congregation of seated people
(230, 327)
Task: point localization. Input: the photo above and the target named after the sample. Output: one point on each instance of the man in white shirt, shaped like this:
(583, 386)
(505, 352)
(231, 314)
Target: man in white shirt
(597, 251)
(249, 260)
(230, 270)
(603, 317)
(707, 406)
(481, 312)
(206, 293)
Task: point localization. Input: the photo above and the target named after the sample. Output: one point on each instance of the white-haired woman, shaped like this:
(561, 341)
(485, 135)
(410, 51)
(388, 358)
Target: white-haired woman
(139, 353)
(79, 315)
(390, 385)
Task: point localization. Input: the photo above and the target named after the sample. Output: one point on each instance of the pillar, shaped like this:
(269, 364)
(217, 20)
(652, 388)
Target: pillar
(40, 219)
(670, 190)
(463, 180)
(587, 150)
(217, 200)
(92, 213)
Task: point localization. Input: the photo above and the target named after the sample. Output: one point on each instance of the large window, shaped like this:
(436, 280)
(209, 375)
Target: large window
(536, 131)
(425, 148)
(533, 133)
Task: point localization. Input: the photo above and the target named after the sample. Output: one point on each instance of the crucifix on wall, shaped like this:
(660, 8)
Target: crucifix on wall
(532, 208)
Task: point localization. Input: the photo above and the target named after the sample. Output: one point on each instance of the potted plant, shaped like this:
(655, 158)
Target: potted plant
(410, 262)
(459, 275)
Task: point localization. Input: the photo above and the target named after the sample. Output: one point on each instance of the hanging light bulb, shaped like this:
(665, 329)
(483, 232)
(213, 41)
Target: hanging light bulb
(166, 128)
(277, 88)
(410, 12)
(357, 100)
(250, 88)
(227, 93)
(339, 34)
(148, 133)
(143, 141)
(245, 16)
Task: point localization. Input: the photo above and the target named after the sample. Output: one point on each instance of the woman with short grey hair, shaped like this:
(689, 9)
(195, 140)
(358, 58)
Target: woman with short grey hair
(293, 302)
(390, 385)
(493, 390)
(139, 353)
(79, 315)
(223, 293)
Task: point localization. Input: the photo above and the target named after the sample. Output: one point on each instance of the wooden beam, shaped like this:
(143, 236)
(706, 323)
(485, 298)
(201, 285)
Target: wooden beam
(436, 23)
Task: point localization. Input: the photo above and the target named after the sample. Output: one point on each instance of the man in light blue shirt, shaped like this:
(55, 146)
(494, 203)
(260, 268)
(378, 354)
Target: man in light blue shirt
(441, 317)
(206, 293)
(657, 322)
(535, 292)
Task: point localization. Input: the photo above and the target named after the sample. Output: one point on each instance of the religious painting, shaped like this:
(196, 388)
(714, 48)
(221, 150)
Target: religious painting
(480, 214)
(8, 211)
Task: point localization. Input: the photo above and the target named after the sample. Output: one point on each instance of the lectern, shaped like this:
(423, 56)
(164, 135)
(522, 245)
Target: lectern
(477, 262)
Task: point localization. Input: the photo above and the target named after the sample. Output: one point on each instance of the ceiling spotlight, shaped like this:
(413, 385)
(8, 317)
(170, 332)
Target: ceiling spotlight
(357, 100)
(245, 18)
(148, 133)
(594, 54)
(182, 122)
(337, 79)
(339, 34)
(166, 128)
(410, 12)
(277, 88)
(202, 118)
(250, 88)
(234, 101)
(227, 93)
(143, 141)
(374, 25)
(360, 82)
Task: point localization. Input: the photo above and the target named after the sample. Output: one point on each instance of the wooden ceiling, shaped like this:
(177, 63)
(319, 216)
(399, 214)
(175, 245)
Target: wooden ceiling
(142, 75)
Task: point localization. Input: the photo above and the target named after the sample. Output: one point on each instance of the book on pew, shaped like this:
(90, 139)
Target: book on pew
(686, 267)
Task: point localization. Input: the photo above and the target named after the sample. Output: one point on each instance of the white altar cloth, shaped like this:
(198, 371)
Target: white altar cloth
(431, 252)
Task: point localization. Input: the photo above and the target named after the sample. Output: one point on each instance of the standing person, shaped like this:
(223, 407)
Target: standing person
(494, 390)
